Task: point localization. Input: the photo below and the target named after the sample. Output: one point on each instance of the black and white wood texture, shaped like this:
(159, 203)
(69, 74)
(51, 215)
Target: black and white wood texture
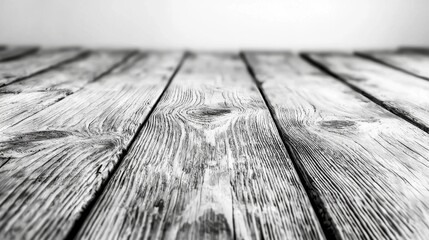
(56, 160)
(11, 71)
(15, 52)
(24, 98)
(367, 168)
(401, 93)
(120, 144)
(208, 164)
(414, 63)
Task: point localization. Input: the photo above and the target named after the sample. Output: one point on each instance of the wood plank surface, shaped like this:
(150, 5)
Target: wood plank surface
(401, 93)
(22, 99)
(208, 164)
(18, 69)
(16, 52)
(59, 158)
(416, 64)
(367, 168)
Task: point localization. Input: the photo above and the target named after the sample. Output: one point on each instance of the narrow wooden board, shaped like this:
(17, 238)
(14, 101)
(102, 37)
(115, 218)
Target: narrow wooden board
(367, 168)
(413, 63)
(399, 92)
(208, 164)
(59, 158)
(44, 59)
(16, 52)
(22, 99)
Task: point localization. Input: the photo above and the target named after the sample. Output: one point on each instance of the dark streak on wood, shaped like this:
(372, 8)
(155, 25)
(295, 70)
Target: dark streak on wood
(61, 156)
(12, 53)
(421, 50)
(208, 164)
(368, 166)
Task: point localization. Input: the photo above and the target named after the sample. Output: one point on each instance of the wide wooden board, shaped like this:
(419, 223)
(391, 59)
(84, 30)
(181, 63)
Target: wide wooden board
(414, 63)
(21, 68)
(57, 160)
(366, 167)
(401, 93)
(208, 164)
(11, 53)
(22, 99)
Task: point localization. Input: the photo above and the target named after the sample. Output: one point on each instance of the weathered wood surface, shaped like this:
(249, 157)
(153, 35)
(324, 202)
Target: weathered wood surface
(22, 99)
(58, 159)
(14, 70)
(208, 164)
(16, 52)
(367, 167)
(416, 64)
(401, 93)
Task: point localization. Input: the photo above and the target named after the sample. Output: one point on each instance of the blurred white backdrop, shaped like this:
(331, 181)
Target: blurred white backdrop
(216, 24)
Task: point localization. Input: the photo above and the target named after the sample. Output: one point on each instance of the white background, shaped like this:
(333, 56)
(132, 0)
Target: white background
(216, 24)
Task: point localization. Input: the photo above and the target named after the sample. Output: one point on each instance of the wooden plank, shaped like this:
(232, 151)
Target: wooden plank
(59, 158)
(208, 164)
(16, 52)
(22, 99)
(12, 71)
(366, 167)
(413, 63)
(399, 92)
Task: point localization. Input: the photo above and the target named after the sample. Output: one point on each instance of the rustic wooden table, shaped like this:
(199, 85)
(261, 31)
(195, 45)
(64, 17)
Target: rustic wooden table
(123, 144)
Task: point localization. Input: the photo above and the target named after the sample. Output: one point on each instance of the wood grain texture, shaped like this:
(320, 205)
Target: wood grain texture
(16, 52)
(11, 71)
(58, 158)
(208, 164)
(416, 64)
(367, 167)
(401, 93)
(22, 99)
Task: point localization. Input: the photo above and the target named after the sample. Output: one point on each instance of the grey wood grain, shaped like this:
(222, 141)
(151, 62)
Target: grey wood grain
(58, 159)
(208, 164)
(401, 93)
(16, 52)
(18, 69)
(367, 168)
(413, 63)
(22, 99)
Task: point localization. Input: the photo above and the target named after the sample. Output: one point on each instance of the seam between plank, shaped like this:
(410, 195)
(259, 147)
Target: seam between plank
(107, 72)
(393, 110)
(386, 64)
(329, 228)
(77, 57)
(20, 55)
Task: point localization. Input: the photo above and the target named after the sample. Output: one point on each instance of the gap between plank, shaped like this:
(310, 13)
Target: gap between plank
(107, 72)
(328, 226)
(77, 57)
(373, 59)
(77, 225)
(395, 111)
(21, 55)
